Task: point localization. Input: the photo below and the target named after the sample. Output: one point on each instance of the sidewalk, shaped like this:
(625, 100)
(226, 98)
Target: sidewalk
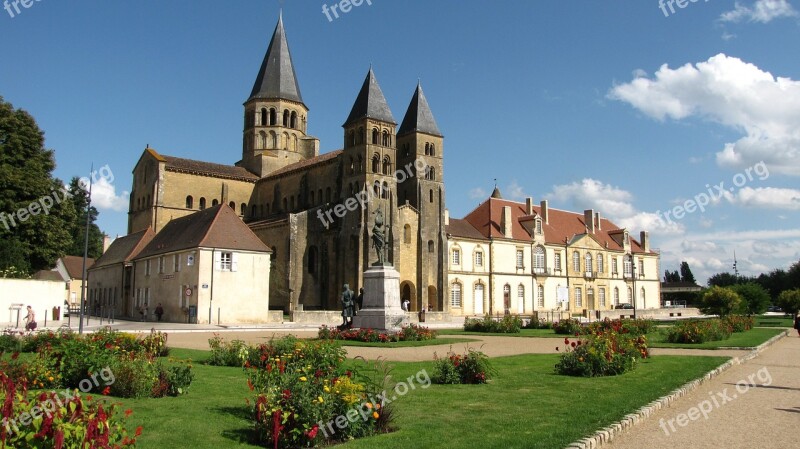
(752, 405)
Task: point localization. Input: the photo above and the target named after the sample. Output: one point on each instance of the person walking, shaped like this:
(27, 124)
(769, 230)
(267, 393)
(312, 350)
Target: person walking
(159, 311)
(797, 324)
(30, 320)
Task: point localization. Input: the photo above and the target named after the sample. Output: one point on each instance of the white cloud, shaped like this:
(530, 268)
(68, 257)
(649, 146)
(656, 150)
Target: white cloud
(733, 93)
(762, 11)
(612, 202)
(104, 196)
(689, 245)
(767, 198)
(515, 191)
(478, 194)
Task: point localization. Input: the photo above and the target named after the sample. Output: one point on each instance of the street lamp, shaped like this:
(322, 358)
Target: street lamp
(633, 278)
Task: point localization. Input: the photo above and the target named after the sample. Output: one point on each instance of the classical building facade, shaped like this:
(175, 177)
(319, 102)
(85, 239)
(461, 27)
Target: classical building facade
(511, 257)
(315, 211)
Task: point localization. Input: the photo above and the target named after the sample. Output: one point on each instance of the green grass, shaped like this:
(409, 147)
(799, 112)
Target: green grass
(774, 321)
(406, 344)
(527, 405)
(749, 339)
(529, 333)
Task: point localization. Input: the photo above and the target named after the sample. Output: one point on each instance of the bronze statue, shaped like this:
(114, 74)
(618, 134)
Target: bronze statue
(378, 237)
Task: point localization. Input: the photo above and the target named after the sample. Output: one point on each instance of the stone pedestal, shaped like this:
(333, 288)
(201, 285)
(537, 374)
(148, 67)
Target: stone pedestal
(382, 310)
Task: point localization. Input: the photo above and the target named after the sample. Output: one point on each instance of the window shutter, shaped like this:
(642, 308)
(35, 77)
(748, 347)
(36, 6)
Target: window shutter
(217, 261)
(234, 262)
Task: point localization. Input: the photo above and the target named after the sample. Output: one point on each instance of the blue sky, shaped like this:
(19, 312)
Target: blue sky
(620, 106)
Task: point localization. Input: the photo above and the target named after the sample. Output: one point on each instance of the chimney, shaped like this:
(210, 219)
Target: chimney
(505, 222)
(545, 212)
(644, 240)
(529, 206)
(447, 217)
(597, 221)
(588, 220)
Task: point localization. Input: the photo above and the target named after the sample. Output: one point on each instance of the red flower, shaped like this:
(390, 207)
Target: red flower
(250, 385)
(106, 391)
(138, 431)
(566, 341)
(313, 432)
(573, 344)
(128, 412)
(287, 394)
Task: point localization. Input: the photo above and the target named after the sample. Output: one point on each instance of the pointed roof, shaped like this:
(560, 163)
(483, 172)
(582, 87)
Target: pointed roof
(370, 103)
(217, 227)
(496, 193)
(419, 117)
(277, 78)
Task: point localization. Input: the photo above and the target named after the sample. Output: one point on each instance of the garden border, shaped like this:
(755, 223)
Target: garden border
(607, 434)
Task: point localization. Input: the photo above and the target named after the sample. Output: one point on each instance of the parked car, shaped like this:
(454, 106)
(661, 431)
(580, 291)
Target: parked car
(774, 309)
(624, 306)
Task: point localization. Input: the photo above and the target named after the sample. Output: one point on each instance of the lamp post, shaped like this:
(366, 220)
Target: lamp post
(633, 279)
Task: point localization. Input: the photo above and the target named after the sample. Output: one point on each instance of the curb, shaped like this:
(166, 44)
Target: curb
(607, 434)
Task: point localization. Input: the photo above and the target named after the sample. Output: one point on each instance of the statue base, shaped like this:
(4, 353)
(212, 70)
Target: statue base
(382, 309)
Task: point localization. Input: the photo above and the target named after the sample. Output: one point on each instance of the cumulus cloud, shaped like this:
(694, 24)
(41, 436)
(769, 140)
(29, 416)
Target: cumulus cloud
(515, 191)
(726, 90)
(478, 194)
(767, 198)
(612, 202)
(104, 196)
(762, 11)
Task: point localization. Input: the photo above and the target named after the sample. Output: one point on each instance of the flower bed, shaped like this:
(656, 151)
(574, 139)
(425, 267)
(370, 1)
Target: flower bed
(412, 332)
(699, 331)
(472, 367)
(568, 327)
(509, 324)
(624, 326)
(739, 323)
(302, 388)
(603, 353)
(61, 421)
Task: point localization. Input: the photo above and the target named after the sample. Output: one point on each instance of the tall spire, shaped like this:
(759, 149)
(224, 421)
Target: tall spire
(419, 117)
(277, 78)
(370, 102)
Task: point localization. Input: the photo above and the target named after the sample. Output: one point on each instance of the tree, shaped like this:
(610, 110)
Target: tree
(794, 275)
(34, 217)
(789, 301)
(776, 281)
(755, 299)
(720, 301)
(722, 280)
(686, 273)
(672, 276)
(80, 198)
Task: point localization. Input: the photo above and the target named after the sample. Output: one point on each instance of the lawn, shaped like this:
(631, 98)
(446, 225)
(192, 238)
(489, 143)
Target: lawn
(530, 333)
(405, 344)
(749, 339)
(774, 321)
(526, 406)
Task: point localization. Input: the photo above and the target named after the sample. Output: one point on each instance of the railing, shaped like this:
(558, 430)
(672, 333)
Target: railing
(543, 271)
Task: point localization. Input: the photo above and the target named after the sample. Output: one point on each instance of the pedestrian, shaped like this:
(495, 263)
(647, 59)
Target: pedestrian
(360, 300)
(30, 320)
(348, 306)
(406, 304)
(797, 324)
(144, 312)
(159, 311)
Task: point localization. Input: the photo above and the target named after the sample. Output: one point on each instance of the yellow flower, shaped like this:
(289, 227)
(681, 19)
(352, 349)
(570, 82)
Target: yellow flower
(369, 406)
(327, 390)
(319, 398)
(376, 415)
(303, 378)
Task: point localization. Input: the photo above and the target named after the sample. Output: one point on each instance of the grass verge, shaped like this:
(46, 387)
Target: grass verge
(749, 339)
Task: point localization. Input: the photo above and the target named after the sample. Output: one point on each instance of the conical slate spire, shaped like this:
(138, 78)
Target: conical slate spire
(370, 103)
(419, 117)
(277, 79)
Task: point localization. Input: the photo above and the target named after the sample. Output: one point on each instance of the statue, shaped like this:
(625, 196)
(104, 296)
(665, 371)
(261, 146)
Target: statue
(348, 306)
(378, 238)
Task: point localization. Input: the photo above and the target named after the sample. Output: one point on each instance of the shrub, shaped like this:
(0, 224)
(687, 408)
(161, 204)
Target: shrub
(789, 301)
(739, 323)
(472, 367)
(509, 324)
(720, 301)
(605, 353)
(541, 323)
(72, 422)
(224, 353)
(567, 327)
(299, 384)
(411, 332)
(699, 331)
(624, 326)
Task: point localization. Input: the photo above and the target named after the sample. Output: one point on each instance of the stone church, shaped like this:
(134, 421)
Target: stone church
(315, 211)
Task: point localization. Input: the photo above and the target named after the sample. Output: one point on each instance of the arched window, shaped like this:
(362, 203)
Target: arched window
(385, 190)
(540, 296)
(286, 141)
(293, 120)
(253, 211)
(312, 197)
(616, 296)
(214, 203)
(644, 299)
(375, 135)
(202, 203)
(600, 267)
(630, 295)
(455, 295)
(312, 260)
(430, 194)
(407, 234)
(352, 166)
(328, 195)
(360, 136)
(386, 141)
(576, 261)
(360, 165)
(351, 138)
(262, 140)
(264, 117)
(427, 148)
(273, 117)
(376, 163)
(232, 205)
(189, 202)
(273, 140)
(589, 262)
(538, 260)
(433, 150)
(242, 209)
(387, 165)
(286, 118)
(431, 247)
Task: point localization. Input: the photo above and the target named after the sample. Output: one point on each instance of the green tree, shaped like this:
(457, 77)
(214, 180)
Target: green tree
(755, 299)
(80, 199)
(722, 280)
(720, 301)
(31, 238)
(776, 281)
(686, 273)
(789, 301)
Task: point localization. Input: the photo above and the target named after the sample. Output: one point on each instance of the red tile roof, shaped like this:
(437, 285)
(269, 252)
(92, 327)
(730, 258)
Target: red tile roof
(124, 249)
(306, 164)
(562, 225)
(74, 265)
